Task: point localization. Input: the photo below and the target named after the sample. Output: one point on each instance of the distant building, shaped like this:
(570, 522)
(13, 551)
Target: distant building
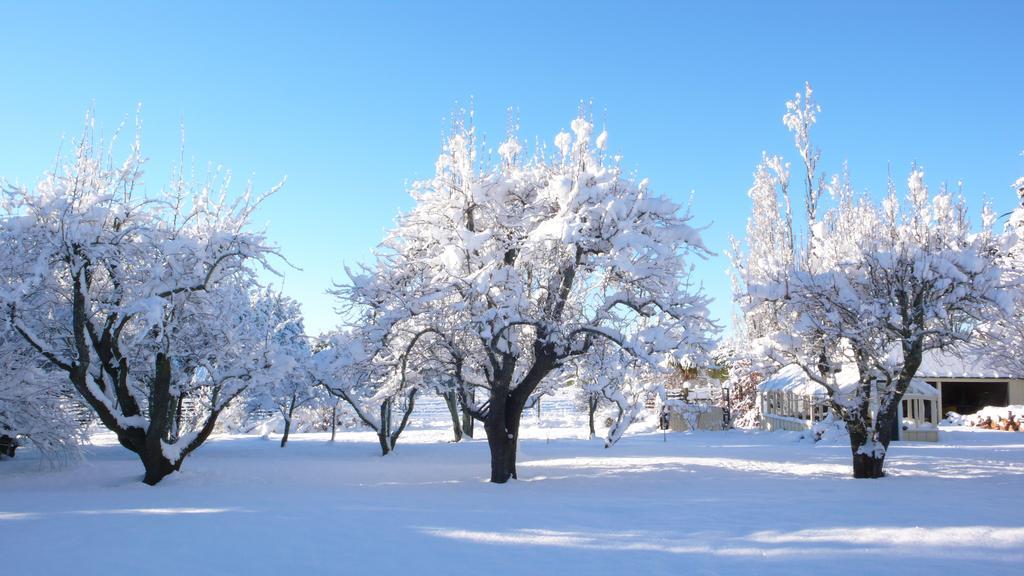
(962, 383)
(969, 382)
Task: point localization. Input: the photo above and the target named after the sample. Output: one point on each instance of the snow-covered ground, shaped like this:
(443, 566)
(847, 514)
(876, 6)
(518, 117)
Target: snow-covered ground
(696, 503)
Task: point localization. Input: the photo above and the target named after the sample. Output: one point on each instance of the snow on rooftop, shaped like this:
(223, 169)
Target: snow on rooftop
(793, 379)
(970, 363)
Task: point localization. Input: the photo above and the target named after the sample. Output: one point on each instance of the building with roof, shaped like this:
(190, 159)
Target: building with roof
(970, 381)
(790, 400)
(963, 383)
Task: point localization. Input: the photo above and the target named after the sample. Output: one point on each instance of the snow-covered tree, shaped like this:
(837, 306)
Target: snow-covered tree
(609, 376)
(629, 390)
(745, 372)
(142, 302)
(869, 289)
(354, 366)
(592, 390)
(769, 246)
(508, 271)
(448, 390)
(36, 403)
(1003, 338)
(290, 383)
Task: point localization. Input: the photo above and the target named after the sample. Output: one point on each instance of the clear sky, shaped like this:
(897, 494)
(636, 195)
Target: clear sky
(349, 100)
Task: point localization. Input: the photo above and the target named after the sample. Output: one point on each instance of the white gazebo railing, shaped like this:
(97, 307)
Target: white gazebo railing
(919, 413)
(789, 400)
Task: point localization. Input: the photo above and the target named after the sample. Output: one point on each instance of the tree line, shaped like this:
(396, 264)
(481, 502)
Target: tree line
(513, 275)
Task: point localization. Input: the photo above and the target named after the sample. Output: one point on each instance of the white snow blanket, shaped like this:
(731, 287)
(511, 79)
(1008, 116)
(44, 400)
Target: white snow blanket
(731, 503)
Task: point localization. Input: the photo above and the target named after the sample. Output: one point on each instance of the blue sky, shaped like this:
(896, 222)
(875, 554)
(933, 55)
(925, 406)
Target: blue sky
(349, 100)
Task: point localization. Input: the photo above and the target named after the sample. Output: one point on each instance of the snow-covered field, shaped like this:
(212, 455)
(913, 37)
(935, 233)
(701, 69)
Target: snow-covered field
(698, 503)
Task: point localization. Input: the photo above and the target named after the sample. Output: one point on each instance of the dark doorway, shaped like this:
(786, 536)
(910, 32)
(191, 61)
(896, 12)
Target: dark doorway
(969, 397)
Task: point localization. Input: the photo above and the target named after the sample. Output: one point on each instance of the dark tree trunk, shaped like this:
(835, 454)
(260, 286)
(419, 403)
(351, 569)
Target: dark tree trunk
(467, 418)
(162, 407)
(148, 444)
(452, 401)
(385, 447)
(506, 410)
(591, 410)
(513, 442)
(868, 466)
(387, 435)
(156, 464)
(334, 420)
(288, 422)
(504, 443)
(505, 406)
(384, 431)
(501, 438)
(501, 442)
(157, 467)
(867, 461)
(287, 430)
(869, 440)
(869, 437)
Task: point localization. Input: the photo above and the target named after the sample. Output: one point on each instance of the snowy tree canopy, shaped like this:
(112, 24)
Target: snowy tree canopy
(871, 288)
(1003, 336)
(505, 272)
(143, 302)
(288, 380)
(37, 402)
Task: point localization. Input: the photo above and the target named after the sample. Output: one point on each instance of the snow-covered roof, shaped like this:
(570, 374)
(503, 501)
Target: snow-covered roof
(919, 387)
(793, 379)
(970, 363)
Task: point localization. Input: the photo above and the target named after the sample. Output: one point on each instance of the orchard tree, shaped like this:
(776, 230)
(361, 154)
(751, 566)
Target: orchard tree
(290, 381)
(590, 397)
(508, 271)
(1003, 338)
(609, 376)
(142, 302)
(870, 289)
(770, 245)
(447, 389)
(36, 403)
(746, 369)
(631, 386)
(353, 367)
